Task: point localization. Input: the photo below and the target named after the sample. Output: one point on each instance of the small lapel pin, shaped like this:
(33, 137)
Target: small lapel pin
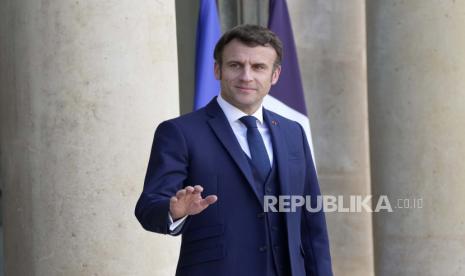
(273, 122)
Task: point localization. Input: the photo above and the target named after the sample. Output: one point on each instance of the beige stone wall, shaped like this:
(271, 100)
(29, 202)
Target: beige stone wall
(416, 57)
(83, 85)
(330, 39)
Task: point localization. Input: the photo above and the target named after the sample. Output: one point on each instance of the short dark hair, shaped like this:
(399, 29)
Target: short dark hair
(250, 35)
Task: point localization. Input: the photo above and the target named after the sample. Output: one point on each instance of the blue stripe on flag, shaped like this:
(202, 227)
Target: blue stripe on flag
(208, 33)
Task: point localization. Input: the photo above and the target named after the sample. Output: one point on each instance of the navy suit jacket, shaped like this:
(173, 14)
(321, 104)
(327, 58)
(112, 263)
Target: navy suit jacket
(227, 238)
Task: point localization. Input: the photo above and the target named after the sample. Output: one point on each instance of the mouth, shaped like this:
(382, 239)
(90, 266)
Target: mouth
(245, 89)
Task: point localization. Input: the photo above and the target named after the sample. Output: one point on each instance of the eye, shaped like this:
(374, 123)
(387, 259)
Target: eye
(259, 67)
(234, 65)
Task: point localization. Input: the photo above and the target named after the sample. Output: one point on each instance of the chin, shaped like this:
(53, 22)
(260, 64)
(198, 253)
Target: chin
(246, 97)
(246, 102)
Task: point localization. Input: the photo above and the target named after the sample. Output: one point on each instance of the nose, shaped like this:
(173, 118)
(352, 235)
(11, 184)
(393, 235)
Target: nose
(246, 74)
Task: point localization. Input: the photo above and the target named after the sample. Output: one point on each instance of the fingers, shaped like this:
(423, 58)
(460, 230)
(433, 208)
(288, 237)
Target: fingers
(184, 192)
(190, 199)
(211, 199)
(181, 193)
(173, 200)
(207, 201)
(198, 189)
(189, 190)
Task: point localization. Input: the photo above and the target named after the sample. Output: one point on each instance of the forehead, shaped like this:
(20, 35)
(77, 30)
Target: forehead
(238, 51)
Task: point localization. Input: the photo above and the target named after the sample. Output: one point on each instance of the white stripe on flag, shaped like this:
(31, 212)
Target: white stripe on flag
(273, 104)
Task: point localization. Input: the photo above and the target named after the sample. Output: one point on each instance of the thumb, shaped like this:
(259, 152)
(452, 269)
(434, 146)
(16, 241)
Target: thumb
(211, 199)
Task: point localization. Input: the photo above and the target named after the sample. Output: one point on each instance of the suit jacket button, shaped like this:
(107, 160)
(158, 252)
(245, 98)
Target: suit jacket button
(263, 248)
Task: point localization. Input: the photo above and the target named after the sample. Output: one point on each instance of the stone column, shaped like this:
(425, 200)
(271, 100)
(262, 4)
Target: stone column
(330, 38)
(83, 85)
(416, 62)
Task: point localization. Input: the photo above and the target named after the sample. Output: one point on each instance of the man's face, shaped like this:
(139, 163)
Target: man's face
(246, 74)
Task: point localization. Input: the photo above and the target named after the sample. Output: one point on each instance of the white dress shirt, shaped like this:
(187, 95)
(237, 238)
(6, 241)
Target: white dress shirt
(233, 114)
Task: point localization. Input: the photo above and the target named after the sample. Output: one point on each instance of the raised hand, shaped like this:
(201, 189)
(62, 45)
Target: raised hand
(189, 201)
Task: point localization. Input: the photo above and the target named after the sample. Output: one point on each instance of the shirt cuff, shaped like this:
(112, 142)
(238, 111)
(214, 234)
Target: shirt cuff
(176, 226)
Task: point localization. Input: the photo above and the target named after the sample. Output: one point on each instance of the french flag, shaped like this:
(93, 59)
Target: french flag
(208, 33)
(286, 97)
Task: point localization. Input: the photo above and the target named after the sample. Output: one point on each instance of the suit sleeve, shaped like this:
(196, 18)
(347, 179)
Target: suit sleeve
(166, 174)
(315, 242)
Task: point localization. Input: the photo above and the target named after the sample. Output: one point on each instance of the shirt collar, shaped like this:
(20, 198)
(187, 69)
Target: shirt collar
(233, 113)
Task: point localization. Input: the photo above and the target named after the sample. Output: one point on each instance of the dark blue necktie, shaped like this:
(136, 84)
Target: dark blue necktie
(257, 148)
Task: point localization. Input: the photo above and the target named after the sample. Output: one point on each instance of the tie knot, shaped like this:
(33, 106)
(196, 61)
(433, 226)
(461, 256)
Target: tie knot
(249, 121)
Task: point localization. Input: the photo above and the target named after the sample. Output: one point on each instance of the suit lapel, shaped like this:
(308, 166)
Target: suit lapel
(224, 133)
(281, 157)
(280, 150)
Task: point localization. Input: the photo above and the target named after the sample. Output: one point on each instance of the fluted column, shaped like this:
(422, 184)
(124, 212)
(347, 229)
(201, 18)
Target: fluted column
(83, 85)
(416, 61)
(330, 38)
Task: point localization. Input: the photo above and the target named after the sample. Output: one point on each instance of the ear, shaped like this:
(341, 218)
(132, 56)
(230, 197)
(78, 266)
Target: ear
(275, 75)
(217, 70)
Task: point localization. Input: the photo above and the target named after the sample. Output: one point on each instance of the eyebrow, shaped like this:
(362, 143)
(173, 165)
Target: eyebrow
(241, 63)
(234, 61)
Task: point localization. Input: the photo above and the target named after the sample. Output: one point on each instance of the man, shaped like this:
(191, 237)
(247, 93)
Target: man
(210, 170)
